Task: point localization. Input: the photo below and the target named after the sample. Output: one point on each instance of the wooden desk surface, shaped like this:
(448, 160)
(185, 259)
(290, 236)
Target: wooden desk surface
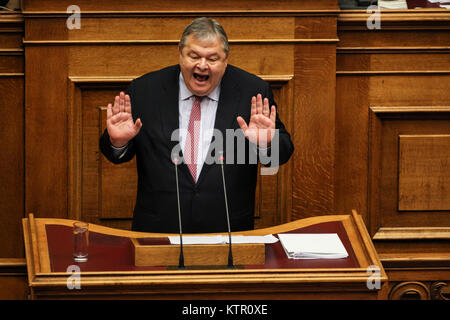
(292, 281)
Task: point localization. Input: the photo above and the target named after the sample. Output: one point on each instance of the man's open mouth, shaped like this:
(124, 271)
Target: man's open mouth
(201, 77)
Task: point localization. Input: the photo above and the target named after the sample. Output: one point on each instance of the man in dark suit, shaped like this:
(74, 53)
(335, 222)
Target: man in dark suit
(189, 109)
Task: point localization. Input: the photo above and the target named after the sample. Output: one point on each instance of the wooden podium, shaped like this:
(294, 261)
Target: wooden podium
(111, 272)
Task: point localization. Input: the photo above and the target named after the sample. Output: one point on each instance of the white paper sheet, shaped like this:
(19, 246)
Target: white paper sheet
(313, 246)
(392, 4)
(223, 239)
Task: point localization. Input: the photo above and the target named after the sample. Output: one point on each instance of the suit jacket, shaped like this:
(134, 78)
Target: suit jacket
(154, 99)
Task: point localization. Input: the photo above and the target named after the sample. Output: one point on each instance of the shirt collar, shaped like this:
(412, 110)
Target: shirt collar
(185, 93)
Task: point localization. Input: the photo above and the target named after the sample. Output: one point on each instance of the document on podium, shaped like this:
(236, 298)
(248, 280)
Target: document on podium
(313, 246)
(392, 4)
(221, 239)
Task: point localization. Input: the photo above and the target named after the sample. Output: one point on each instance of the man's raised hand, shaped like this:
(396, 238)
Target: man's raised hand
(261, 128)
(119, 122)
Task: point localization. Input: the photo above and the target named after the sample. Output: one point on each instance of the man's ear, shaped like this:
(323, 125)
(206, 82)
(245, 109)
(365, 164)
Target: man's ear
(180, 57)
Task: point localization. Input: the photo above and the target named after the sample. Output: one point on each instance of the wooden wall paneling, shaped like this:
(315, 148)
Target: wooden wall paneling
(74, 151)
(46, 134)
(400, 71)
(47, 128)
(45, 27)
(424, 121)
(118, 184)
(11, 61)
(162, 28)
(94, 197)
(404, 68)
(314, 130)
(11, 165)
(285, 174)
(424, 172)
(352, 120)
(12, 133)
(180, 6)
(9, 36)
(373, 170)
(390, 166)
(393, 122)
(399, 38)
(368, 61)
(402, 30)
(353, 99)
(13, 279)
(108, 60)
(414, 89)
(272, 191)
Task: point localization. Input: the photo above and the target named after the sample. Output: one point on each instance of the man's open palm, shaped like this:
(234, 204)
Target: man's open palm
(261, 128)
(119, 122)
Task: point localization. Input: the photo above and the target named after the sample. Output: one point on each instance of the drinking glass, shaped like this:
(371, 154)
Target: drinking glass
(81, 241)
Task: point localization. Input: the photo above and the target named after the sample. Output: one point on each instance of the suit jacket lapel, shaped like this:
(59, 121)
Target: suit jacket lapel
(227, 112)
(227, 109)
(170, 114)
(169, 105)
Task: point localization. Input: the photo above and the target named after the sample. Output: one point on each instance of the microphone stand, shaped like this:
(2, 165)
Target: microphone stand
(230, 252)
(176, 162)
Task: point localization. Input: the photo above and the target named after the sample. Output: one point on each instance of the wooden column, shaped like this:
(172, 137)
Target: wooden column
(12, 134)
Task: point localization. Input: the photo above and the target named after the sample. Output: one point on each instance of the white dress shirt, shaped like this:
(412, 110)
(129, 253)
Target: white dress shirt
(208, 107)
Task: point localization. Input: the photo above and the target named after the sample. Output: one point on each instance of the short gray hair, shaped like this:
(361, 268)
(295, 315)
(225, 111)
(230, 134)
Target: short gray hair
(205, 29)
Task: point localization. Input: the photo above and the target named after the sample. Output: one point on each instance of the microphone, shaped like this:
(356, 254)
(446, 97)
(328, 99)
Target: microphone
(176, 161)
(221, 159)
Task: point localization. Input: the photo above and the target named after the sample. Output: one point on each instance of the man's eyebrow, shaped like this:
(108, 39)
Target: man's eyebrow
(192, 51)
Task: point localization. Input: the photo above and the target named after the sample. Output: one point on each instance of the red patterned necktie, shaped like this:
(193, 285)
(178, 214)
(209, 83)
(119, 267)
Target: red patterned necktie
(192, 138)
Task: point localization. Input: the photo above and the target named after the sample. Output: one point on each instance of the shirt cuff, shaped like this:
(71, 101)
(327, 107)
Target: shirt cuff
(260, 150)
(119, 152)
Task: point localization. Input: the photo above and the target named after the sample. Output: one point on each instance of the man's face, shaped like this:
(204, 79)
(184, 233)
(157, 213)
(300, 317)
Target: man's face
(203, 63)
